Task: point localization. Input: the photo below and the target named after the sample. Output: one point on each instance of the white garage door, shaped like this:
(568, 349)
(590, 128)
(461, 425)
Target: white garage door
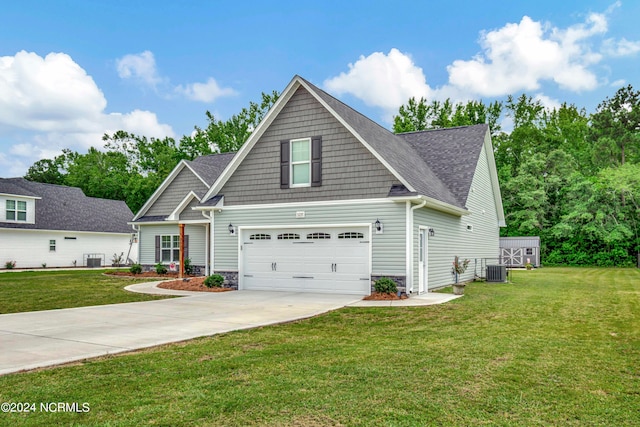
(306, 260)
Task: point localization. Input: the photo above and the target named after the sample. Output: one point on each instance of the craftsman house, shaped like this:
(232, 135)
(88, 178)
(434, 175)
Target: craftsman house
(322, 199)
(58, 226)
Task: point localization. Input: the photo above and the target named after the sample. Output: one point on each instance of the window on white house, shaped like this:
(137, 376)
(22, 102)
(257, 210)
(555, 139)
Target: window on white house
(301, 162)
(528, 251)
(170, 248)
(52, 245)
(16, 210)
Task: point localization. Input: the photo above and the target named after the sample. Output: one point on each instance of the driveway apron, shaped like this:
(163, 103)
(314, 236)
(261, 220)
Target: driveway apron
(46, 338)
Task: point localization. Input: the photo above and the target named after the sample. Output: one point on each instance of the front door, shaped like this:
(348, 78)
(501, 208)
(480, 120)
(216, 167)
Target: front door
(422, 261)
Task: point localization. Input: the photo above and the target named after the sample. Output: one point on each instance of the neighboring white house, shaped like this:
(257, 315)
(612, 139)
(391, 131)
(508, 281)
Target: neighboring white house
(58, 226)
(322, 199)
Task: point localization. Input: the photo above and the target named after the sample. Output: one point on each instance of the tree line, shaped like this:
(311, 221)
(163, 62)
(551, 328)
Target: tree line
(570, 177)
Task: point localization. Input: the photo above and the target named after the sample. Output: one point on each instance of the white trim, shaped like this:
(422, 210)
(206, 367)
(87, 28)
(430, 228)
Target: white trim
(444, 207)
(408, 235)
(163, 222)
(284, 97)
(495, 183)
(21, 196)
(423, 279)
(291, 163)
(167, 181)
(39, 230)
(175, 215)
(357, 136)
(305, 204)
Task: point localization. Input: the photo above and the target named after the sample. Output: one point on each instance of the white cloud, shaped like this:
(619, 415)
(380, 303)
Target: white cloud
(381, 80)
(517, 57)
(50, 103)
(521, 56)
(204, 92)
(141, 67)
(618, 83)
(547, 102)
(622, 47)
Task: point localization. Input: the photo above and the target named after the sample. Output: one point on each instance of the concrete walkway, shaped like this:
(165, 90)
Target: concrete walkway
(46, 338)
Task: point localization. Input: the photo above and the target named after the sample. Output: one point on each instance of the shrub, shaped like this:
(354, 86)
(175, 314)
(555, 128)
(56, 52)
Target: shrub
(385, 285)
(9, 265)
(188, 267)
(135, 269)
(117, 259)
(160, 268)
(214, 281)
(44, 265)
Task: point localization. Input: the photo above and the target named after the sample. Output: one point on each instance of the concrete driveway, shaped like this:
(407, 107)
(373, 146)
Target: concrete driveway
(46, 338)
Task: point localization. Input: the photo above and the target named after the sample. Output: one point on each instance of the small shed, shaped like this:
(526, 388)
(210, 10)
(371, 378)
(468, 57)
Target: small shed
(518, 251)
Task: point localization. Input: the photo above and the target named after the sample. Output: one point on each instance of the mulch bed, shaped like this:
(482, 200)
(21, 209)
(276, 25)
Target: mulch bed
(377, 296)
(192, 283)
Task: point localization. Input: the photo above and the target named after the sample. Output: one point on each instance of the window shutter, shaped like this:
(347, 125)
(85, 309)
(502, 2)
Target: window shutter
(158, 249)
(316, 161)
(186, 246)
(284, 164)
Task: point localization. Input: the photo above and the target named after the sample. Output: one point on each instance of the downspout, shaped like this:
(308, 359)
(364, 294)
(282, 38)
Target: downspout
(209, 230)
(410, 243)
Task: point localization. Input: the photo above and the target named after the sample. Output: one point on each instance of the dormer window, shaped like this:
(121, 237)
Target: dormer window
(16, 210)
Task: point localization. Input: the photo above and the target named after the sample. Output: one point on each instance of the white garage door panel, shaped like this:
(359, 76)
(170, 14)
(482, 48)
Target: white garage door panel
(309, 263)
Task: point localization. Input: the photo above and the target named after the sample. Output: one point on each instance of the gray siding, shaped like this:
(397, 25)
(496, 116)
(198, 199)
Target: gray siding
(349, 170)
(197, 241)
(452, 237)
(388, 249)
(189, 214)
(175, 193)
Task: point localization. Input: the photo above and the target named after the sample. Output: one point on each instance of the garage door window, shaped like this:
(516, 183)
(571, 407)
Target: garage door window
(350, 235)
(260, 237)
(314, 236)
(288, 236)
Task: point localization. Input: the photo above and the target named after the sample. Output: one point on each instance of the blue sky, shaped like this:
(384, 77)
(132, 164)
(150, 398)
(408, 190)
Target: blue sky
(72, 70)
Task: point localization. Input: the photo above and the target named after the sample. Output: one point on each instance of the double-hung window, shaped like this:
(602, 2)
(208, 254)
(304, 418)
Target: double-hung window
(170, 248)
(301, 162)
(16, 210)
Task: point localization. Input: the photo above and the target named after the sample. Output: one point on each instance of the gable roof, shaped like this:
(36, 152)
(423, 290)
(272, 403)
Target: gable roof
(451, 153)
(59, 207)
(399, 157)
(205, 168)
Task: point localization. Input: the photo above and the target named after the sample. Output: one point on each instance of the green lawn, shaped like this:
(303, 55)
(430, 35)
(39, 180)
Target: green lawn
(558, 347)
(48, 290)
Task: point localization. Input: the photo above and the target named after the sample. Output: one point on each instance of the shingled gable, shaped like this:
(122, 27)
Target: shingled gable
(205, 168)
(451, 153)
(67, 208)
(393, 152)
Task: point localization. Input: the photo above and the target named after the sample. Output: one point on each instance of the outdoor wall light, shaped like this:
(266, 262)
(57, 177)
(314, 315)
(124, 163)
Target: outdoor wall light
(432, 232)
(232, 229)
(378, 226)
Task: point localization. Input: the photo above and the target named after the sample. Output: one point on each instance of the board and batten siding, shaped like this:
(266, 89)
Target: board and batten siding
(388, 248)
(349, 170)
(197, 241)
(452, 238)
(175, 193)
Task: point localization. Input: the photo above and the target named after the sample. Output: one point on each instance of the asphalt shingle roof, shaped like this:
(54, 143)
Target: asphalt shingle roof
(211, 166)
(400, 155)
(67, 208)
(451, 153)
